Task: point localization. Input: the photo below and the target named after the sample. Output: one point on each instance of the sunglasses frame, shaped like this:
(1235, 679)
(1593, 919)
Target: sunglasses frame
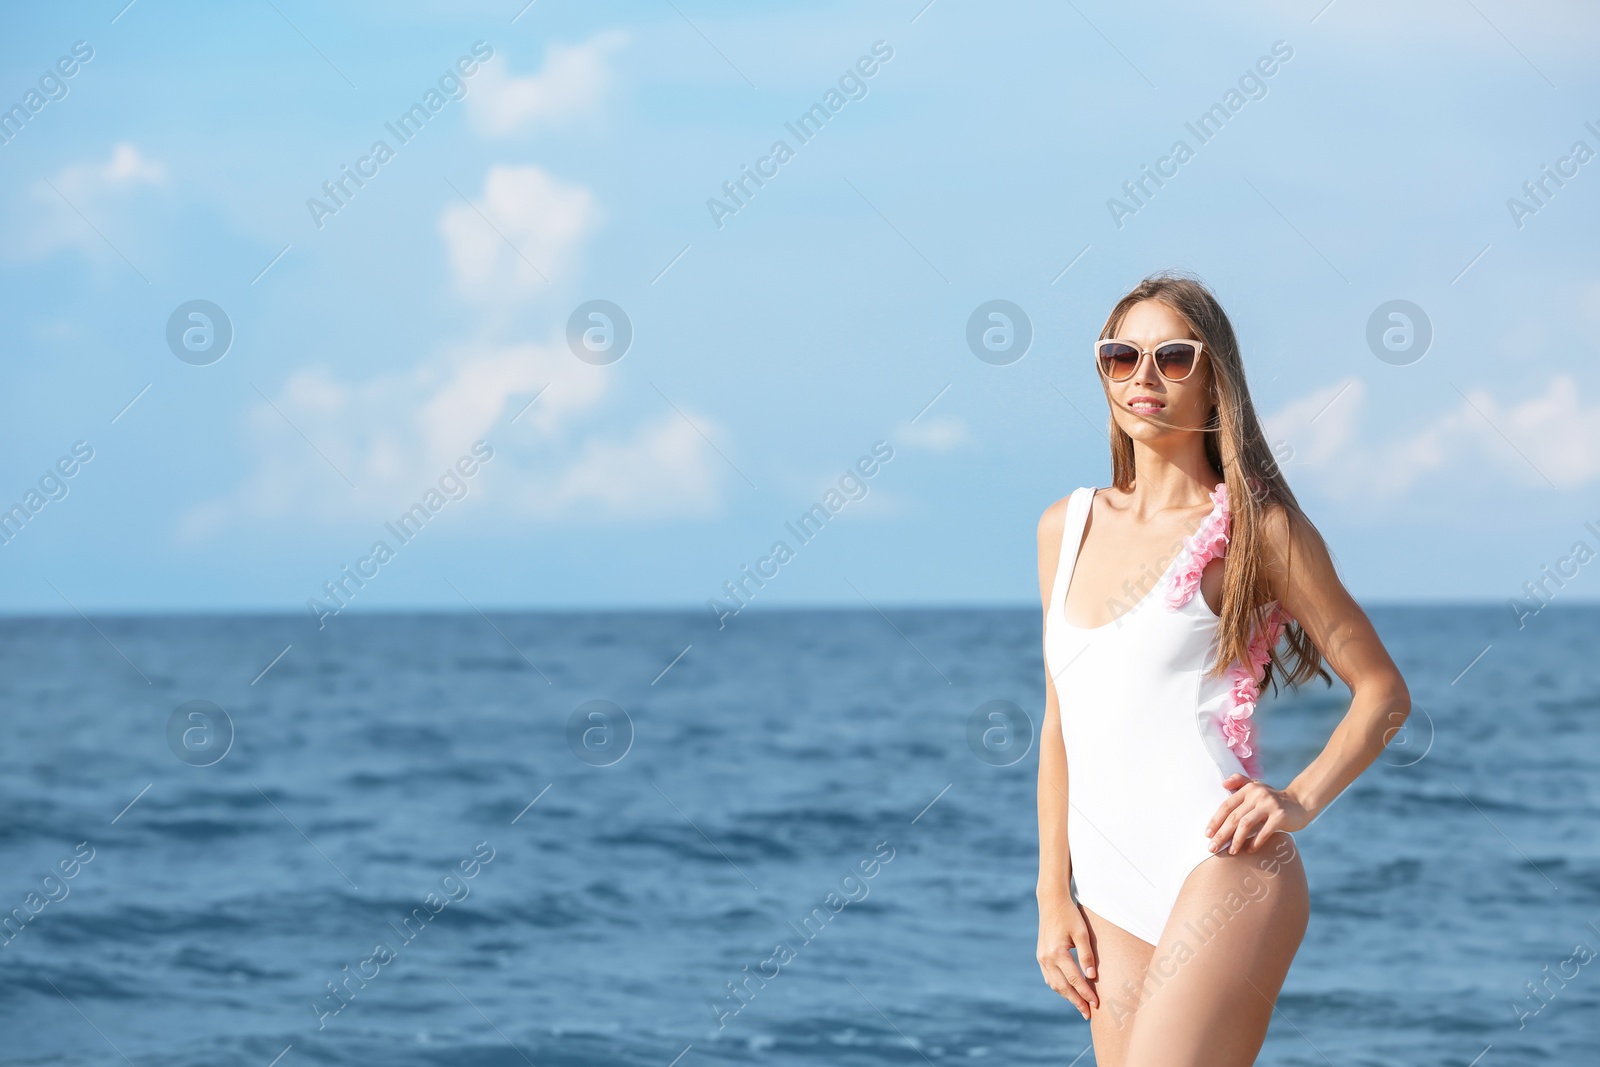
(1100, 363)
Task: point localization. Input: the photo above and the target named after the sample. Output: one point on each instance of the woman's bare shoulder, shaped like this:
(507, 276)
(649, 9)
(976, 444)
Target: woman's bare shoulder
(1053, 521)
(1291, 543)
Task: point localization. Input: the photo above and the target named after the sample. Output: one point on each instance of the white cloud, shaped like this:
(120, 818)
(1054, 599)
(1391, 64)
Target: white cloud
(664, 469)
(393, 434)
(568, 454)
(933, 435)
(1555, 431)
(1550, 435)
(98, 190)
(544, 218)
(487, 380)
(127, 167)
(572, 83)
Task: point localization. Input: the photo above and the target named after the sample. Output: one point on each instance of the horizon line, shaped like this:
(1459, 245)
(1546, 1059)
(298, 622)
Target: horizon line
(821, 607)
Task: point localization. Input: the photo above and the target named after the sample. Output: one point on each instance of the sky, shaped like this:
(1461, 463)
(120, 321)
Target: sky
(276, 274)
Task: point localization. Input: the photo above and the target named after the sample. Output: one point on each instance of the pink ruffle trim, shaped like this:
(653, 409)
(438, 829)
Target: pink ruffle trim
(1244, 688)
(1207, 543)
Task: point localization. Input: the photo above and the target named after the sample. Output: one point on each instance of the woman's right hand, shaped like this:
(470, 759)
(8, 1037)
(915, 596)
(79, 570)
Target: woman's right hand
(1063, 928)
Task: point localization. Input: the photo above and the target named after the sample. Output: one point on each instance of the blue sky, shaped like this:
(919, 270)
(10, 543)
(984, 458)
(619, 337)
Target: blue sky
(374, 346)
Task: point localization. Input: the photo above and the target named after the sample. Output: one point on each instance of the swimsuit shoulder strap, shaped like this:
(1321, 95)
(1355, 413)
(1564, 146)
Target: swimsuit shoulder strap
(1078, 507)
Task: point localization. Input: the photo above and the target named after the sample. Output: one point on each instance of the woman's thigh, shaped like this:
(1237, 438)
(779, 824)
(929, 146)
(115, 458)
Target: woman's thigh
(1222, 959)
(1120, 961)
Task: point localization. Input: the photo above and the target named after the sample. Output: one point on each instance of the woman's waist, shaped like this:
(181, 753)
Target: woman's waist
(1142, 826)
(1143, 769)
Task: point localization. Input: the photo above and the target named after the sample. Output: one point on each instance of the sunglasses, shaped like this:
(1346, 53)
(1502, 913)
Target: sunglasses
(1175, 360)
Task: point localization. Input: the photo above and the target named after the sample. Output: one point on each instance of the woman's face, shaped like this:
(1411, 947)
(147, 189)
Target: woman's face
(1146, 406)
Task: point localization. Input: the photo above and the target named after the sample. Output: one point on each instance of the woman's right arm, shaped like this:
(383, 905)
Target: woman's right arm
(1062, 926)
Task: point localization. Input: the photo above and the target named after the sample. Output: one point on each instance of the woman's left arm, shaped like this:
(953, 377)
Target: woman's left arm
(1303, 579)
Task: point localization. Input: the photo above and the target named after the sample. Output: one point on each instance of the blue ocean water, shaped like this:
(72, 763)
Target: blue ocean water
(432, 813)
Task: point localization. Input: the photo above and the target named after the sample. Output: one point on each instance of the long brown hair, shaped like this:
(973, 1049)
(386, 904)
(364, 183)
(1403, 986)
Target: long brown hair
(1235, 445)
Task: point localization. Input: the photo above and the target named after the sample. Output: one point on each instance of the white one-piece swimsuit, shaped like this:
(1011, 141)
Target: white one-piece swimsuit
(1149, 736)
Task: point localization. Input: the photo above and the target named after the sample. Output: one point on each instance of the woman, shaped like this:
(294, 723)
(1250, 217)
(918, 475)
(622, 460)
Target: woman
(1165, 863)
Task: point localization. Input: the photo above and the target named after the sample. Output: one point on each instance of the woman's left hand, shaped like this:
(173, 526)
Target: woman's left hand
(1252, 814)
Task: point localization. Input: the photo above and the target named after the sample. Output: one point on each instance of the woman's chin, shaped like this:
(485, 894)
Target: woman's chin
(1149, 429)
(1154, 427)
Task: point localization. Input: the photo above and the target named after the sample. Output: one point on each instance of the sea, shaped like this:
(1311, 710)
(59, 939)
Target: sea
(804, 837)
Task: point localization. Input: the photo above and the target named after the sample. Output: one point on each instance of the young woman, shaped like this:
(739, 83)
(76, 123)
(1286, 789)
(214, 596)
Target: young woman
(1165, 862)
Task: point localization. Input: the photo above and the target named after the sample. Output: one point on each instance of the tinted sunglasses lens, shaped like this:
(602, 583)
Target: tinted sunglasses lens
(1117, 360)
(1176, 360)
